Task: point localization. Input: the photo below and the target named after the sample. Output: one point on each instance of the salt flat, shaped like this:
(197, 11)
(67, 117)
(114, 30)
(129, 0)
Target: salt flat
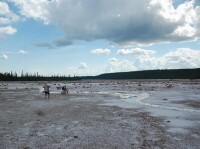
(101, 114)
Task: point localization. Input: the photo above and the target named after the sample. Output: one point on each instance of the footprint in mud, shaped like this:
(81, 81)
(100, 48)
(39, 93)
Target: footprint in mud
(40, 113)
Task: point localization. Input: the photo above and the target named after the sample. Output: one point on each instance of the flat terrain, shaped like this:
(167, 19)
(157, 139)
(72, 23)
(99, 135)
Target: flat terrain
(138, 114)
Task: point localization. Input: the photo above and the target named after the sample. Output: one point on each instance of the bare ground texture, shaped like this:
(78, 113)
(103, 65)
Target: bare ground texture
(132, 114)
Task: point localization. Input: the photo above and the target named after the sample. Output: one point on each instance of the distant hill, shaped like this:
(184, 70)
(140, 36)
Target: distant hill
(151, 74)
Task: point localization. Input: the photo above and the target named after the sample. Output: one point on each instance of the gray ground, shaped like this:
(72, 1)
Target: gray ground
(101, 114)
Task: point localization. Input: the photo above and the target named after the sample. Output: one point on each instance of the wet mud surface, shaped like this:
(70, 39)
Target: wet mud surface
(106, 114)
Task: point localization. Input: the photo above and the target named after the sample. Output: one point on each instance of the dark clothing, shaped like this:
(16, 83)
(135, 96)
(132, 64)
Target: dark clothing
(64, 88)
(46, 93)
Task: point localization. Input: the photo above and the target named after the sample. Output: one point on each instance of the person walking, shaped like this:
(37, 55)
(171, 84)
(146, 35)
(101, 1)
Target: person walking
(46, 90)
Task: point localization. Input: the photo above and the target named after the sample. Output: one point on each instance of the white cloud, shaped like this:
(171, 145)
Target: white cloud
(180, 58)
(100, 51)
(147, 62)
(185, 30)
(83, 70)
(6, 15)
(83, 66)
(135, 51)
(177, 59)
(6, 18)
(8, 30)
(131, 22)
(117, 65)
(34, 9)
(113, 60)
(4, 56)
(22, 52)
(114, 65)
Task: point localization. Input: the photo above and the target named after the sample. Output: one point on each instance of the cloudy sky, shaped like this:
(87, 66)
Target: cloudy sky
(90, 37)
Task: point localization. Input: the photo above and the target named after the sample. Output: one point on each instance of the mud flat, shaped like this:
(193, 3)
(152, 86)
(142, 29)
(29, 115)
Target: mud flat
(151, 114)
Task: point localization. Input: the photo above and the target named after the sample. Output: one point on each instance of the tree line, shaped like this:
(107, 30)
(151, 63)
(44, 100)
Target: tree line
(10, 76)
(145, 74)
(151, 74)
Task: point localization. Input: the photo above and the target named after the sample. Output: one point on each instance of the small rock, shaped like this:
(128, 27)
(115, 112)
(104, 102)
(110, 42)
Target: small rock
(75, 136)
(10, 122)
(40, 113)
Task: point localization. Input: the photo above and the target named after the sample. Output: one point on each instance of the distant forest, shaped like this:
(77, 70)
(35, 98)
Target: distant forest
(151, 74)
(34, 77)
(145, 74)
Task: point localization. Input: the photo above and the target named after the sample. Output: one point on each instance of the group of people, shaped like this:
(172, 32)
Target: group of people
(47, 90)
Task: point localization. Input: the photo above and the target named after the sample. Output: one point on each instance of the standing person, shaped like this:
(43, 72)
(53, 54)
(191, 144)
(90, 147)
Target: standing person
(46, 90)
(64, 90)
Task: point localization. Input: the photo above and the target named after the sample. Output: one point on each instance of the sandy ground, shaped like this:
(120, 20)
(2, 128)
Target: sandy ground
(145, 114)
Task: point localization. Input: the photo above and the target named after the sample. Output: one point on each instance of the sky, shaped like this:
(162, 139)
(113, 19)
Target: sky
(91, 37)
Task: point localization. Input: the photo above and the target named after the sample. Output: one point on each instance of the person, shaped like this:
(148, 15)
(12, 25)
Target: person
(46, 90)
(64, 90)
